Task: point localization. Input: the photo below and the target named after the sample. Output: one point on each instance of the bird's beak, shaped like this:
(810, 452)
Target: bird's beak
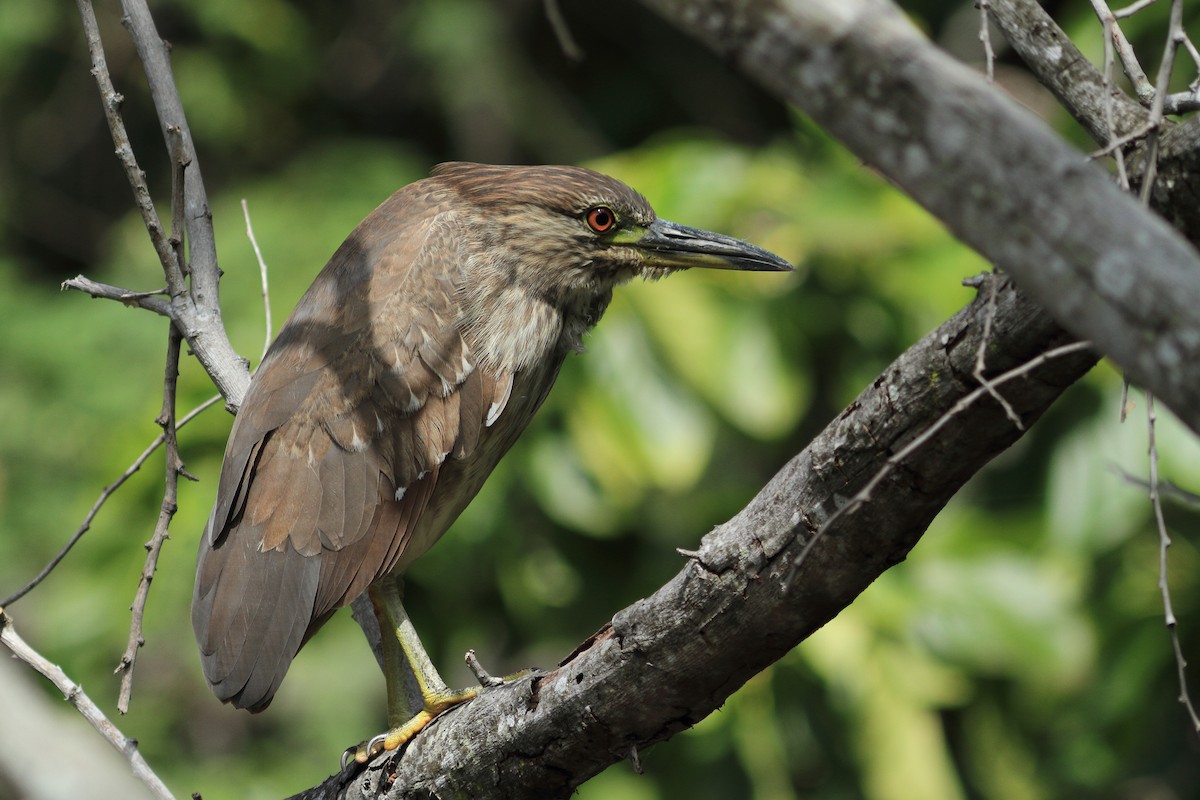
(668, 245)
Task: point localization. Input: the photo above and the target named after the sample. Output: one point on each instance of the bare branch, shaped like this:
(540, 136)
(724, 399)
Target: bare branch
(176, 270)
(1165, 488)
(562, 32)
(980, 371)
(153, 52)
(985, 38)
(1114, 36)
(1133, 8)
(151, 301)
(194, 310)
(75, 695)
(174, 467)
(1164, 542)
(724, 616)
(262, 272)
(112, 101)
(105, 493)
(1083, 90)
(864, 495)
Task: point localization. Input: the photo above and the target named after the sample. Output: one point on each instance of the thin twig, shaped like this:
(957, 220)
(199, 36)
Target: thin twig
(1174, 37)
(1164, 542)
(195, 309)
(1133, 8)
(176, 270)
(1110, 102)
(112, 101)
(562, 32)
(985, 340)
(964, 402)
(154, 53)
(1121, 142)
(174, 468)
(105, 493)
(1129, 61)
(1165, 488)
(985, 38)
(1190, 46)
(151, 301)
(75, 695)
(1159, 102)
(262, 271)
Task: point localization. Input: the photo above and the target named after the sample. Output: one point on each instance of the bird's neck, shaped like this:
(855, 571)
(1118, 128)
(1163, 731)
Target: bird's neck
(516, 326)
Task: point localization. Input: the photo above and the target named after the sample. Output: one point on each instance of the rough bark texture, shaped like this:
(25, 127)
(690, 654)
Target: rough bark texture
(1063, 69)
(1105, 267)
(667, 661)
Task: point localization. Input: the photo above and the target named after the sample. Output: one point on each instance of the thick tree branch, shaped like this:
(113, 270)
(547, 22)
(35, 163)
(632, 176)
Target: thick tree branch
(1065, 71)
(666, 662)
(1079, 86)
(1107, 269)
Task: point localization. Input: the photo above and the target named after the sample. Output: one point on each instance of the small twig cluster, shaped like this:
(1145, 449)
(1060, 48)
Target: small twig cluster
(1151, 95)
(1157, 100)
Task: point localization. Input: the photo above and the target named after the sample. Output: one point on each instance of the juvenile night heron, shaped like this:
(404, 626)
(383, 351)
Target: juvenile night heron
(406, 371)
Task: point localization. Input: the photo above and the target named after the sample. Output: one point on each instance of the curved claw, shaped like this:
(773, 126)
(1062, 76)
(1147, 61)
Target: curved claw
(367, 750)
(391, 740)
(376, 744)
(363, 752)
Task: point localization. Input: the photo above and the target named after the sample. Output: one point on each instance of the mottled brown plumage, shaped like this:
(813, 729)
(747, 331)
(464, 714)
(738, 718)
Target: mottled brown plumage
(405, 372)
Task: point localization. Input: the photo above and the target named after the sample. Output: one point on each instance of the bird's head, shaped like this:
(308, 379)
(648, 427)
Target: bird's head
(544, 247)
(570, 229)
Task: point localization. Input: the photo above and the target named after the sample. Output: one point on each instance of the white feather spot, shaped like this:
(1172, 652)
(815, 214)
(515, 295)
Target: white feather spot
(493, 413)
(423, 474)
(378, 424)
(414, 403)
(400, 490)
(497, 407)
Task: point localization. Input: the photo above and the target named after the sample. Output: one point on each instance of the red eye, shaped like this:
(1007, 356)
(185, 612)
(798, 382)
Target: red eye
(601, 219)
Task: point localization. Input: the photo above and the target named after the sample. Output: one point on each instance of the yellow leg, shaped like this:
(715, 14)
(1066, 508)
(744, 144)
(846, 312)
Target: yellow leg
(405, 661)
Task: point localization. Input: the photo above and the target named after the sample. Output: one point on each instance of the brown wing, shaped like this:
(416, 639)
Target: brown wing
(338, 446)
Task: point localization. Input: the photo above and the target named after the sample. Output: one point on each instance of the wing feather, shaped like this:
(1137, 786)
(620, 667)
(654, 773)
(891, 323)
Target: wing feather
(335, 454)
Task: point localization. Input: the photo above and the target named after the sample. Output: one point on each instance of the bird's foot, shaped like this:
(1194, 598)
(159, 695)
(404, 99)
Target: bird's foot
(435, 704)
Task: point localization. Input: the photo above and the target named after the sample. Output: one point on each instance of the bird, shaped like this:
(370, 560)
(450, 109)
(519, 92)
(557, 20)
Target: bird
(410, 366)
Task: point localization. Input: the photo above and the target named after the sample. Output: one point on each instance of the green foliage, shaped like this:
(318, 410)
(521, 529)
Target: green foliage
(1019, 653)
